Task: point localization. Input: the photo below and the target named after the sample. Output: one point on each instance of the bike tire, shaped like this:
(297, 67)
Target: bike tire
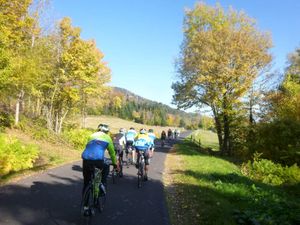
(140, 175)
(87, 201)
(121, 169)
(101, 202)
(113, 176)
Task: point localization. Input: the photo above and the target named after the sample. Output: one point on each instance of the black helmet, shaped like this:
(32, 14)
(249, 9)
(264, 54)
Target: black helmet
(103, 127)
(122, 130)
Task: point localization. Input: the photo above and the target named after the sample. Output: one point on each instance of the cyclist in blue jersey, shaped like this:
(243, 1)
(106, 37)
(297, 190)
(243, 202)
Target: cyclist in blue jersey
(142, 144)
(152, 138)
(130, 136)
(93, 154)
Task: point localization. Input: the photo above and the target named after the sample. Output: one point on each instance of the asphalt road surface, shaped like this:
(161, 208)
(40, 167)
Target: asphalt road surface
(53, 198)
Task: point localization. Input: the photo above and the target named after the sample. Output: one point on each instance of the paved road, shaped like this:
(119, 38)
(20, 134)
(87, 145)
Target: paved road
(53, 198)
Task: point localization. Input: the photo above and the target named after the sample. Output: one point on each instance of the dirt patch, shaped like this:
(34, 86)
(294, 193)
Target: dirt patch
(173, 165)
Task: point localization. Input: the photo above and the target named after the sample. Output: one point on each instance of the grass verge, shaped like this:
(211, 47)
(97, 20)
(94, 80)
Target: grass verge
(203, 189)
(208, 139)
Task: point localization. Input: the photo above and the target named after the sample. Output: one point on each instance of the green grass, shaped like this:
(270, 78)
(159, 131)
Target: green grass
(210, 190)
(207, 138)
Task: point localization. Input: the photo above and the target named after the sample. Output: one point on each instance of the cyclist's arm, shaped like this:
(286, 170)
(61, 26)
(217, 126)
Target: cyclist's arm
(111, 151)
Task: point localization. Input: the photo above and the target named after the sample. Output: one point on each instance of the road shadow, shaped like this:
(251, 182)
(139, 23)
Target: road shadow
(57, 202)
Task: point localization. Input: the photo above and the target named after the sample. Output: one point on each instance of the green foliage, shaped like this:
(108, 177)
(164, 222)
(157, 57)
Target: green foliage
(15, 156)
(278, 140)
(210, 190)
(36, 128)
(6, 120)
(77, 137)
(269, 172)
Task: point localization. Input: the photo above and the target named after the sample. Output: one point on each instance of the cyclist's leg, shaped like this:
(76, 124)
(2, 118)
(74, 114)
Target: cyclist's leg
(146, 156)
(105, 173)
(87, 170)
(138, 158)
(133, 152)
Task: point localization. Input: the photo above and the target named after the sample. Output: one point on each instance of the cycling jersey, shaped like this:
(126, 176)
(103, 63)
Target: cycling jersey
(130, 135)
(152, 138)
(97, 144)
(142, 142)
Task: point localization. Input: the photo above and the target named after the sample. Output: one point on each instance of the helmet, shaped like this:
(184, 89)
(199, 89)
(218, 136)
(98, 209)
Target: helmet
(122, 130)
(150, 130)
(131, 128)
(143, 131)
(103, 127)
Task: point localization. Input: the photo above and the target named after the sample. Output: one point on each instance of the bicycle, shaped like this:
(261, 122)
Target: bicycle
(141, 167)
(117, 173)
(94, 195)
(129, 159)
(162, 143)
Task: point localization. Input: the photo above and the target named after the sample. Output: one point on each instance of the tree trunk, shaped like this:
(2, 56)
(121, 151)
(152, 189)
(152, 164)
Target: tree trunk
(225, 147)
(218, 127)
(61, 120)
(19, 101)
(56, 122)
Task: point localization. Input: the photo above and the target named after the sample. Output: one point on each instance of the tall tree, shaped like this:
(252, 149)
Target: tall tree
(222, 53)
(80, 74)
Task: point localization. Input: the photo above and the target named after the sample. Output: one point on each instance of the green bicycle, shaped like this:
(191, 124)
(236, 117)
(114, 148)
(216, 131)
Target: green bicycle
(94, 195)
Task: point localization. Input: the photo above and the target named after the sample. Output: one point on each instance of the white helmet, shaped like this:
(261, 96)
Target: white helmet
(143, 131)
(103, 127)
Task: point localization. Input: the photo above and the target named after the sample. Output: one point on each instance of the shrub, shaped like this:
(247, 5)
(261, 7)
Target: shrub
(6, 120)
(279, 141)
(77, 137)
(269, 172)
(15, 156)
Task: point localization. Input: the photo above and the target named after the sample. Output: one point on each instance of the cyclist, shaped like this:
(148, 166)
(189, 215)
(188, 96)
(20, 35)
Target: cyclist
(93, 154)
(130, 136)
(163, 137)
(119, 141)
(142, 144)
(175, 133)
(152, 138)
(170, 133)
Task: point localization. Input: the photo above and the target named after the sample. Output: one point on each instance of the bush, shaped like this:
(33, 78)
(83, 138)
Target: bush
(77, 137)
(6, 120)
(15, 156)
(269, 172)
(279, 141)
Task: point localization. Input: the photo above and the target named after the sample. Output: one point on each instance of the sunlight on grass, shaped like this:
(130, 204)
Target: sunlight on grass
(207, 138)
(203, 189)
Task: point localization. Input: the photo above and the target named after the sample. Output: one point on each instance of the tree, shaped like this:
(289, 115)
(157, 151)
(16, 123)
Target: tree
(16, 47)
(222, 54)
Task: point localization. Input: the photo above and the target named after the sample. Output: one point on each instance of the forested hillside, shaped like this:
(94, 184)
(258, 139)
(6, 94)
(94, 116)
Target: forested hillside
(127, 105)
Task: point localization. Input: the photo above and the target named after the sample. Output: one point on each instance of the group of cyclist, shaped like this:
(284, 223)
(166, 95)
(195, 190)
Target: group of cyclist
(132, 142)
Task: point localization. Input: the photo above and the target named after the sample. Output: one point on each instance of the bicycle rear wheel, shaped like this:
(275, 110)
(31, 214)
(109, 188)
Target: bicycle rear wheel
(100, 202)
(120, 173)
(140, 174)
(113, 175)
(87, 202)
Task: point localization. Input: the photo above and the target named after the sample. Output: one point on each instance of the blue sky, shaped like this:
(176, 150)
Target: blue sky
(141, 38)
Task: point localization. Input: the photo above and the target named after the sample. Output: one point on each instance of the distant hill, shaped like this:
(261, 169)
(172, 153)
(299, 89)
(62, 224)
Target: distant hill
(130, 106)
(130, 96)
